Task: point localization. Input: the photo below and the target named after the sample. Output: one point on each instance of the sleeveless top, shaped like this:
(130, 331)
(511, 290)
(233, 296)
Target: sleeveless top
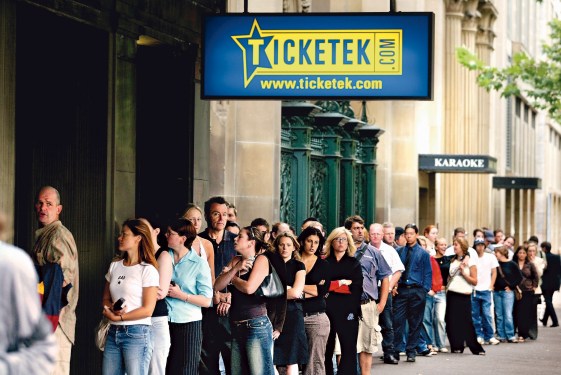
(203, 251)
(161, 308)
(246, 306)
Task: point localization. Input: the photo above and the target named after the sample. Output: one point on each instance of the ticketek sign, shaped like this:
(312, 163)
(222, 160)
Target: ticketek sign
(366, 55)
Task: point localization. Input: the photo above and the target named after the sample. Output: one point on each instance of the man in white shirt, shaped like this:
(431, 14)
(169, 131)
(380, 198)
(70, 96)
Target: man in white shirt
(482, 297)
(396, 265)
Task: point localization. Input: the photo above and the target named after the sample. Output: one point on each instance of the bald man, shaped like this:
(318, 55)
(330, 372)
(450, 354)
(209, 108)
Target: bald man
(55, 253)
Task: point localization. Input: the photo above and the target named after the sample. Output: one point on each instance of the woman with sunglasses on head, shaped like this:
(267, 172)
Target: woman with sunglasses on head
(252, 332)
(316, 288)
(202, 246)
(129, 299)
(190, 289)
(291, 347)
(343, 301)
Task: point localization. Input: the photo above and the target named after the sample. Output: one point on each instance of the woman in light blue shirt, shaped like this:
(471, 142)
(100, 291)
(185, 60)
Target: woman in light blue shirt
(190, 289)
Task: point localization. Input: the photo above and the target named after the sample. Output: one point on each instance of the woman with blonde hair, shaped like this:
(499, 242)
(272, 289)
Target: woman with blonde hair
(343, 301)
(202, 246)
(129, 299)
(462, 279)
(291, 347)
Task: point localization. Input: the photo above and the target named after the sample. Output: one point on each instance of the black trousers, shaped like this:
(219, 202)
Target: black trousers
(523, 313)
(408, 305)
(217, 339)
(185, 351)
(386, 323)
(549, 310)
(459, 324)
(345, 326)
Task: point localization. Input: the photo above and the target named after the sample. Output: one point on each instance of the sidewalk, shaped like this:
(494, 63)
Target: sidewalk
(542, 356)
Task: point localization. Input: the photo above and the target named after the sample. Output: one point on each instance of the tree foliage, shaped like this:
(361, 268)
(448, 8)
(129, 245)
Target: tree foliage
(537, 79)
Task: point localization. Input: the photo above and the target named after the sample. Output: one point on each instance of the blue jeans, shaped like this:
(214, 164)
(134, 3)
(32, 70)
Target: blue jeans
(160, 337)
(128, 350)
(427, 332)
(438, 321)
(504, 303)
(481, 314)
(252, 347)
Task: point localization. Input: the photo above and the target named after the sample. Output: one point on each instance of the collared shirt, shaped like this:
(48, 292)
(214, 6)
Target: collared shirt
(192, 276)
(392, 258)
(223, 251)
(374, 267)
(55, 244)
(419, 271)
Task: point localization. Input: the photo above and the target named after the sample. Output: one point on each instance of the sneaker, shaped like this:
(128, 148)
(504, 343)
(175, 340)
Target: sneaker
(492, 341)
(480, 340)
(426, 353)
(402, 354)
(513, 341)
(443, 350)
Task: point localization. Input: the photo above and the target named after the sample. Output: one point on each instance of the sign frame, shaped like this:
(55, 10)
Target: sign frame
(455, 163)
(420, 75)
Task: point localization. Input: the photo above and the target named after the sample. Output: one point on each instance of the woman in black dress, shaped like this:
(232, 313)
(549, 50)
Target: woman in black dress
(291, 347)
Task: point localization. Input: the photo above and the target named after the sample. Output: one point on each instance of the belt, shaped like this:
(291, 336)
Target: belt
(409, 286)
(312, 314)
(365, 301)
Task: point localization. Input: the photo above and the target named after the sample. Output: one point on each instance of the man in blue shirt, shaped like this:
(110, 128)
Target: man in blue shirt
(410, 297)
(217, 335)
(374, 268)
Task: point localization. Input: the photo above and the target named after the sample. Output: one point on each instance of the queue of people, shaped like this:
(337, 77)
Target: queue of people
(181, 300)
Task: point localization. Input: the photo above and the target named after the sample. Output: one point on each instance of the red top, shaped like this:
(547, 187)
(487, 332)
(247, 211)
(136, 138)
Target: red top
(436, 275)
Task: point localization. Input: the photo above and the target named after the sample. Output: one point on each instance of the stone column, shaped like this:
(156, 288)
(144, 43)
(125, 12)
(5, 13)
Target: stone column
(452, 185)
(122, 136)
(7, 110)
(484, 126)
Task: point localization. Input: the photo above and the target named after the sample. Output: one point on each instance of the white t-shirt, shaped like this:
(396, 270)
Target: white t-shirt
(484, 266)
(127, 282)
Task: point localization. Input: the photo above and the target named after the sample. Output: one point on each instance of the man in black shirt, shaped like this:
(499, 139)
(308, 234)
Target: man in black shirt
(217, 335)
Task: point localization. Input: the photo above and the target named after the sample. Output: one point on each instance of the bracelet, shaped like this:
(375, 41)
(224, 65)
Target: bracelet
(122, 320)
(187, 299)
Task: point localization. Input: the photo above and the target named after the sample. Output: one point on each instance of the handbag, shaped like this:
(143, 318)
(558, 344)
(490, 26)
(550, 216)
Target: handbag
(100, 334)
(271, 286)
(458, 284)
(517, 291)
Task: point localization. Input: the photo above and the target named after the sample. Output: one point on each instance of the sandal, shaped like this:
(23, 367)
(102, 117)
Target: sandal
(521, 339)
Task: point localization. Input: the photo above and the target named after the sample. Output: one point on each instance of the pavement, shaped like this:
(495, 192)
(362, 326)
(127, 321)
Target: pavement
(535, 357)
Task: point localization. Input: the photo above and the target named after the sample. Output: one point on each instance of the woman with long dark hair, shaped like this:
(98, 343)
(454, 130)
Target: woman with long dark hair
(508, 277)
(291, 347)
(160, 326)
(252, 332)
(316, 288)
(129, 299)
(523, 307)
(190, 289)
(462, 279)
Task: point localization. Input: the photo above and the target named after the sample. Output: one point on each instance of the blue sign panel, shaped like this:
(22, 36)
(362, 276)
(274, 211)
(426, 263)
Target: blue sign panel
(288, 56)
